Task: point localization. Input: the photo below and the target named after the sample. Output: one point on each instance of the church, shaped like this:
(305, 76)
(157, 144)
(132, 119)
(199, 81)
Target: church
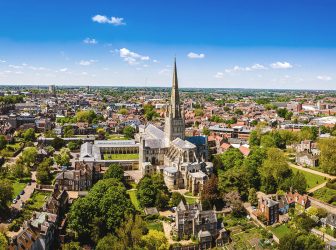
(181, 160)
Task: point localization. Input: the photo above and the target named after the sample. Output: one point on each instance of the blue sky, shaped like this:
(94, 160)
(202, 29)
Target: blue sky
(237, 43)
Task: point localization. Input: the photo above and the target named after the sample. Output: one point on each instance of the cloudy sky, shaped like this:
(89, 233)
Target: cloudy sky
(218, 43)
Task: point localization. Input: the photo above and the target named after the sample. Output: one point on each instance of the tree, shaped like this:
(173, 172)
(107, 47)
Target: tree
(231, 158)
(150, 112)
(267, 141)
(29, 135)
(205, 131)
(210, 193)
(63, 158)
(3, 142)
(6, 193)
(129, 131)
(254, 139)
(299, 240)
(109, 242)
(43, 173)
(308, 133)
(131, 231)
(233, 199)
(86, 116)
(115, 171)
(123, 111)
(198, 112)
(152, 191)
(3, 242)
(176, 198)
(297, 181)
(274, 170)
(68, 131)
(58, 143)
(328, 155)
(252, 198)
(155, 240)
(71, 246)
(18, 170)
(101, 211)
(29, 156)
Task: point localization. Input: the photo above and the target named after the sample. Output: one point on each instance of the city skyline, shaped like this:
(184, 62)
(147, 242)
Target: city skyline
(259, 44)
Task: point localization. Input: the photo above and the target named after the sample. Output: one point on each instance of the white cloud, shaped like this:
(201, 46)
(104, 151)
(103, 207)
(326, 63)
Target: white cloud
(63, 70)
(164, 71)
(2, 61)
(193, 55)
(237, 68)
(15, 66)
(281, 65)
(219, 75)
(87, 62)
(258, 66)
(116, 21)
(37, 68)
(90, 41)
(324, 78)
(131, 57)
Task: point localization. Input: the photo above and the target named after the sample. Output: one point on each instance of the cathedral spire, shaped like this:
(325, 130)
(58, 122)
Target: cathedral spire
(175, 98)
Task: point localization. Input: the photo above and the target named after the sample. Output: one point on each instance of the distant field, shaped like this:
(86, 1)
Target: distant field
(121, 156)
(312, 179)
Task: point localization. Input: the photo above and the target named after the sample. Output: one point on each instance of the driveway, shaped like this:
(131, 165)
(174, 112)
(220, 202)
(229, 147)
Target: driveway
(29, 189)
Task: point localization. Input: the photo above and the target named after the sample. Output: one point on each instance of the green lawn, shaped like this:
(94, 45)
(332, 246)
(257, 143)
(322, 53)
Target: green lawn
(325, 194)
(191, 200)
(121, 156)
(37, 200)
(155, 226)
(281, 230)
(312, 179)
(134, 199)
(18, 187)
(116, 137)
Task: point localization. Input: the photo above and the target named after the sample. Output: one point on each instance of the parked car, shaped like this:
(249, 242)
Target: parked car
(22, 192)
(29, 183)
(14, 201)
(17, 197)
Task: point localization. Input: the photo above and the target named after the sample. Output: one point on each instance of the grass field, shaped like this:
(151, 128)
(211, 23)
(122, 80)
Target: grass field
(18, 187)
(116, 137)
(121, 156)
(312, 179)
(325, 194)
(134, 199)
(155, 226)
(281, 230)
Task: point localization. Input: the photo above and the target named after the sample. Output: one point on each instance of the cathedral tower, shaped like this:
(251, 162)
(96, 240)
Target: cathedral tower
(174, 121)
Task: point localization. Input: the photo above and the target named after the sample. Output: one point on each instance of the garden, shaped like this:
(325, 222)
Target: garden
(313, 180)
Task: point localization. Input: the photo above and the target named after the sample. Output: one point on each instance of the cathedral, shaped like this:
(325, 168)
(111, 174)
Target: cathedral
(181, 160)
